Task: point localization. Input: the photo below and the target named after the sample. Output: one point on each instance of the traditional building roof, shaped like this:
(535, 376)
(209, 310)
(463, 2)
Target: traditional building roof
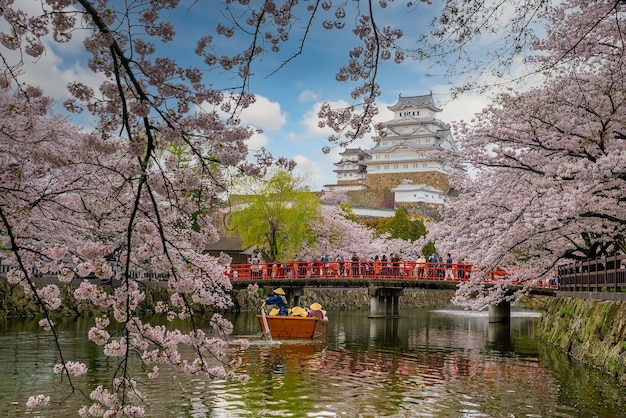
(415, 101)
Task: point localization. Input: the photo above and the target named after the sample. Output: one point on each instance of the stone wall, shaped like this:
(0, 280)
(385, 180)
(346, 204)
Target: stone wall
(369, 198)
(354, 299)
(391, 180)
(14, 303)
(592, 331)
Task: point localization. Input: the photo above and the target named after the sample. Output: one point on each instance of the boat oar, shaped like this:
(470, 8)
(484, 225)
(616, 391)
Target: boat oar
(267, 334)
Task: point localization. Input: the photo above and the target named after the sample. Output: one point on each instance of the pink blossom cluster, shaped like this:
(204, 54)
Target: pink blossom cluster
(337, 235)
(73, 368)
(38, 400)
(108, 404)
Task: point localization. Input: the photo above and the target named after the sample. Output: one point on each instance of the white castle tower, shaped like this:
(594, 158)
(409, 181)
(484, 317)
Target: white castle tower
(406, 160)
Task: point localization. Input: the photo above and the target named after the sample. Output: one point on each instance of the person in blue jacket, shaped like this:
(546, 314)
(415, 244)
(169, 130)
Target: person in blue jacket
(280, 301)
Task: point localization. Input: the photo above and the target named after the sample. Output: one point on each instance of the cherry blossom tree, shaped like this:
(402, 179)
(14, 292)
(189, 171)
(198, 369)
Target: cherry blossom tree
(336, 234)
(129, 196)
(133, 193)
(545, 169)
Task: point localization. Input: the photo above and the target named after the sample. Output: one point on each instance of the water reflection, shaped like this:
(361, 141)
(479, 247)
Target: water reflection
(442, 363)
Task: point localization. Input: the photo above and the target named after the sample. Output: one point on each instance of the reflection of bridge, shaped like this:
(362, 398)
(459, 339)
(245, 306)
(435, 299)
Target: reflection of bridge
(385, 281)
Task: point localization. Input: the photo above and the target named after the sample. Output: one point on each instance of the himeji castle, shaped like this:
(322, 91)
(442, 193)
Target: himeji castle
(405, 165)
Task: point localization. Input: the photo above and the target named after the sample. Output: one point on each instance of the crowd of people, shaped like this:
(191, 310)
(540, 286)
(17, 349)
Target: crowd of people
(431, 267)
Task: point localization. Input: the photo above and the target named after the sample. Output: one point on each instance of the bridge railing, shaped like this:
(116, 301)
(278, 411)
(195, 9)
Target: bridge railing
(367, 269)
(350, 269)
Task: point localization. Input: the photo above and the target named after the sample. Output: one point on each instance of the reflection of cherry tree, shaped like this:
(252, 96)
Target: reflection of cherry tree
(337, 235)
(548, 165)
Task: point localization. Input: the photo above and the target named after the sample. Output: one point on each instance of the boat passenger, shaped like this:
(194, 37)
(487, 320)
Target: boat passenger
(298, 311)
(280, 301)
(315, 310)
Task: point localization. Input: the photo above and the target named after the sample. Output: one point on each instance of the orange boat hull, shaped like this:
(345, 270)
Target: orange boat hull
(294, 326)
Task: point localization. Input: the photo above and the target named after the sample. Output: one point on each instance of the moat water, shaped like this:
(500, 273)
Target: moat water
(426, 363)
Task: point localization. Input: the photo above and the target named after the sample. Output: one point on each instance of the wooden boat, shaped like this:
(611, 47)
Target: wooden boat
(292, 326)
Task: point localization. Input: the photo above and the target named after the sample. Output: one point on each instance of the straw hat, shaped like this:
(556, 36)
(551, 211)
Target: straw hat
(315, 306)
(298, 311)
(279, 291)
(273, 312)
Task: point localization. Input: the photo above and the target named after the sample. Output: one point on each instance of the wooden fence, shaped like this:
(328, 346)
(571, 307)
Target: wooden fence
(605, 277)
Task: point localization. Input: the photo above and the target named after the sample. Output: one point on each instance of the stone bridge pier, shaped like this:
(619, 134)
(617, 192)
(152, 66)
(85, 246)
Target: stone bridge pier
(500, 313)
(384, 301)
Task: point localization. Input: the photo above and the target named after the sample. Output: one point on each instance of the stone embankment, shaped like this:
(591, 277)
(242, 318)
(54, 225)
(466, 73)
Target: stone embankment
(14, 304)
(591, 331)
(354, 299)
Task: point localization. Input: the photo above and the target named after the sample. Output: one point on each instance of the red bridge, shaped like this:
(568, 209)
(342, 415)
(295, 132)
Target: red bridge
(350, 269)
(439, 275)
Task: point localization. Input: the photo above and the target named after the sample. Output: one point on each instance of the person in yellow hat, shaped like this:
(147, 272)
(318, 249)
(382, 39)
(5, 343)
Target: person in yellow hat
(280, 301)
(298, 311)
(315, 310)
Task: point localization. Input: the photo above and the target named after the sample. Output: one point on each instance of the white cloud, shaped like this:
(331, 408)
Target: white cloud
(59, 65)
(258, 141)
(464, 108)
(310, 120)
(307, 96)
(317, 172)
(264, 114)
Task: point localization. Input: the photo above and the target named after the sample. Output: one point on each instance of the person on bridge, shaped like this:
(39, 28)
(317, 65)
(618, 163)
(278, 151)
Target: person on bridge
(449, 272)
(280, 301)
(342, 265)
(355, 265)
(325, 265)
(419, 267)
(432, 266)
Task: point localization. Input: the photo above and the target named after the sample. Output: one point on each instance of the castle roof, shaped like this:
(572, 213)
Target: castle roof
(415, 101)
(353, 151)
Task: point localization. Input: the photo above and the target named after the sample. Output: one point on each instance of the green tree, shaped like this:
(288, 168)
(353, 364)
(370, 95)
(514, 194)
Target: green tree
(401, 225)
(405, 227)
(274, 216)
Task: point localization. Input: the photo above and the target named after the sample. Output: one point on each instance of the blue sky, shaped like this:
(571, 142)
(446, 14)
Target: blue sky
(287, 101)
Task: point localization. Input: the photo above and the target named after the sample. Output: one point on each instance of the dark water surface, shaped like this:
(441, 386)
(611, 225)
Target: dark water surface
(441, 363)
